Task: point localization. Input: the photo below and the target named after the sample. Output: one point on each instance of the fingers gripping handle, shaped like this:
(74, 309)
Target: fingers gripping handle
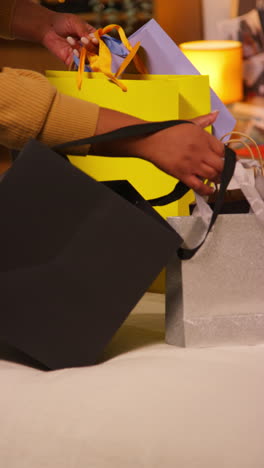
(227, 174)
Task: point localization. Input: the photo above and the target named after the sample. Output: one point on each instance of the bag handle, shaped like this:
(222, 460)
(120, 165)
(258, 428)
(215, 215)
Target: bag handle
(101, 62)
(226, 176)
(132, 131)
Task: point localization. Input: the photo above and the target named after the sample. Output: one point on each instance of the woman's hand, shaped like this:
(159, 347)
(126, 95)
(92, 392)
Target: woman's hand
(61, 33)
(188, 153)
(64, 34)
(185, 151)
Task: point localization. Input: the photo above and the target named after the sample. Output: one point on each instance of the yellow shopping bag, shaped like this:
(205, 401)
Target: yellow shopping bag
(150, 97)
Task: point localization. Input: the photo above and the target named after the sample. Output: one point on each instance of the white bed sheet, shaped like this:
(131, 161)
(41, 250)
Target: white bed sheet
(147, 404)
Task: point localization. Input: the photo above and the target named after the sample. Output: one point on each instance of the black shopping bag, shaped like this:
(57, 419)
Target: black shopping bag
(76, 255)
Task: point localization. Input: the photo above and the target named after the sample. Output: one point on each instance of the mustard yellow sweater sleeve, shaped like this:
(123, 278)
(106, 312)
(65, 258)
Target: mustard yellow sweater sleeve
(30, 107)
(6, 16)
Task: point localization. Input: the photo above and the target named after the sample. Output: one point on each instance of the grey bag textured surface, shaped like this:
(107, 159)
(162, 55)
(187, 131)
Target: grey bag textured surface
(217, 297)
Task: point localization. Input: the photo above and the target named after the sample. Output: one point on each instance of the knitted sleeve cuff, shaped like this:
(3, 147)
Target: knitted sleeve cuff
(69, 119)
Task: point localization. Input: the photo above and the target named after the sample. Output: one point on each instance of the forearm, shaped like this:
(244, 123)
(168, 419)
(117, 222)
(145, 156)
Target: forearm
(6, 18)
(32, 108)
(109, 120)
(30, 21)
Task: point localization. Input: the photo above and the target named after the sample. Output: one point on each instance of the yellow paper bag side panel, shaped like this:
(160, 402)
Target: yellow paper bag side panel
(152, 99)
(145, 99)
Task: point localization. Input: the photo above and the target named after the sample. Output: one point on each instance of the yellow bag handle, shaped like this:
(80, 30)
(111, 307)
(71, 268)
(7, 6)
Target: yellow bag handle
(102, 61)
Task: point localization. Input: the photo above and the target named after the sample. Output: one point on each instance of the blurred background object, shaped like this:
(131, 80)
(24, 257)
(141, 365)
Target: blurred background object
(173, 17)
(248, 29)
(222, 61)
(130, 14)
(240, 7)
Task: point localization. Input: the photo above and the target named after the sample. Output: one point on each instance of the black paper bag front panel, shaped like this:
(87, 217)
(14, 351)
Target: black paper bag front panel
(75, 259)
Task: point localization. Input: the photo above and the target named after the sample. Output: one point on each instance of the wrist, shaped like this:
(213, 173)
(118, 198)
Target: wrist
(110, 120)
(31, 21)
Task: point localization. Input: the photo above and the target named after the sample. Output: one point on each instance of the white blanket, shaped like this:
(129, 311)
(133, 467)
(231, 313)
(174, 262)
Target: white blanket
(146, 405)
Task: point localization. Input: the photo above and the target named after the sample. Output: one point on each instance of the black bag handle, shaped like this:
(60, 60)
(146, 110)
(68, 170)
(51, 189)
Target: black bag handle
(180, 189)
(178, 192)
(131, 131)
(227, 174)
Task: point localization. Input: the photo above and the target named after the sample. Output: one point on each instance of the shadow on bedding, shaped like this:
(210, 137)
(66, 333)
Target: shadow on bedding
(138, 331)
(12, 354)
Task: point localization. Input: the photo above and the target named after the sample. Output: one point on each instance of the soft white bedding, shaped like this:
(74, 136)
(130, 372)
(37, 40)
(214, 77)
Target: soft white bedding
(147, 404)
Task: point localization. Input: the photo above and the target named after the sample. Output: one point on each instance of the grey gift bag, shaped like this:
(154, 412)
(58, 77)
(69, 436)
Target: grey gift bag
(215, 292)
